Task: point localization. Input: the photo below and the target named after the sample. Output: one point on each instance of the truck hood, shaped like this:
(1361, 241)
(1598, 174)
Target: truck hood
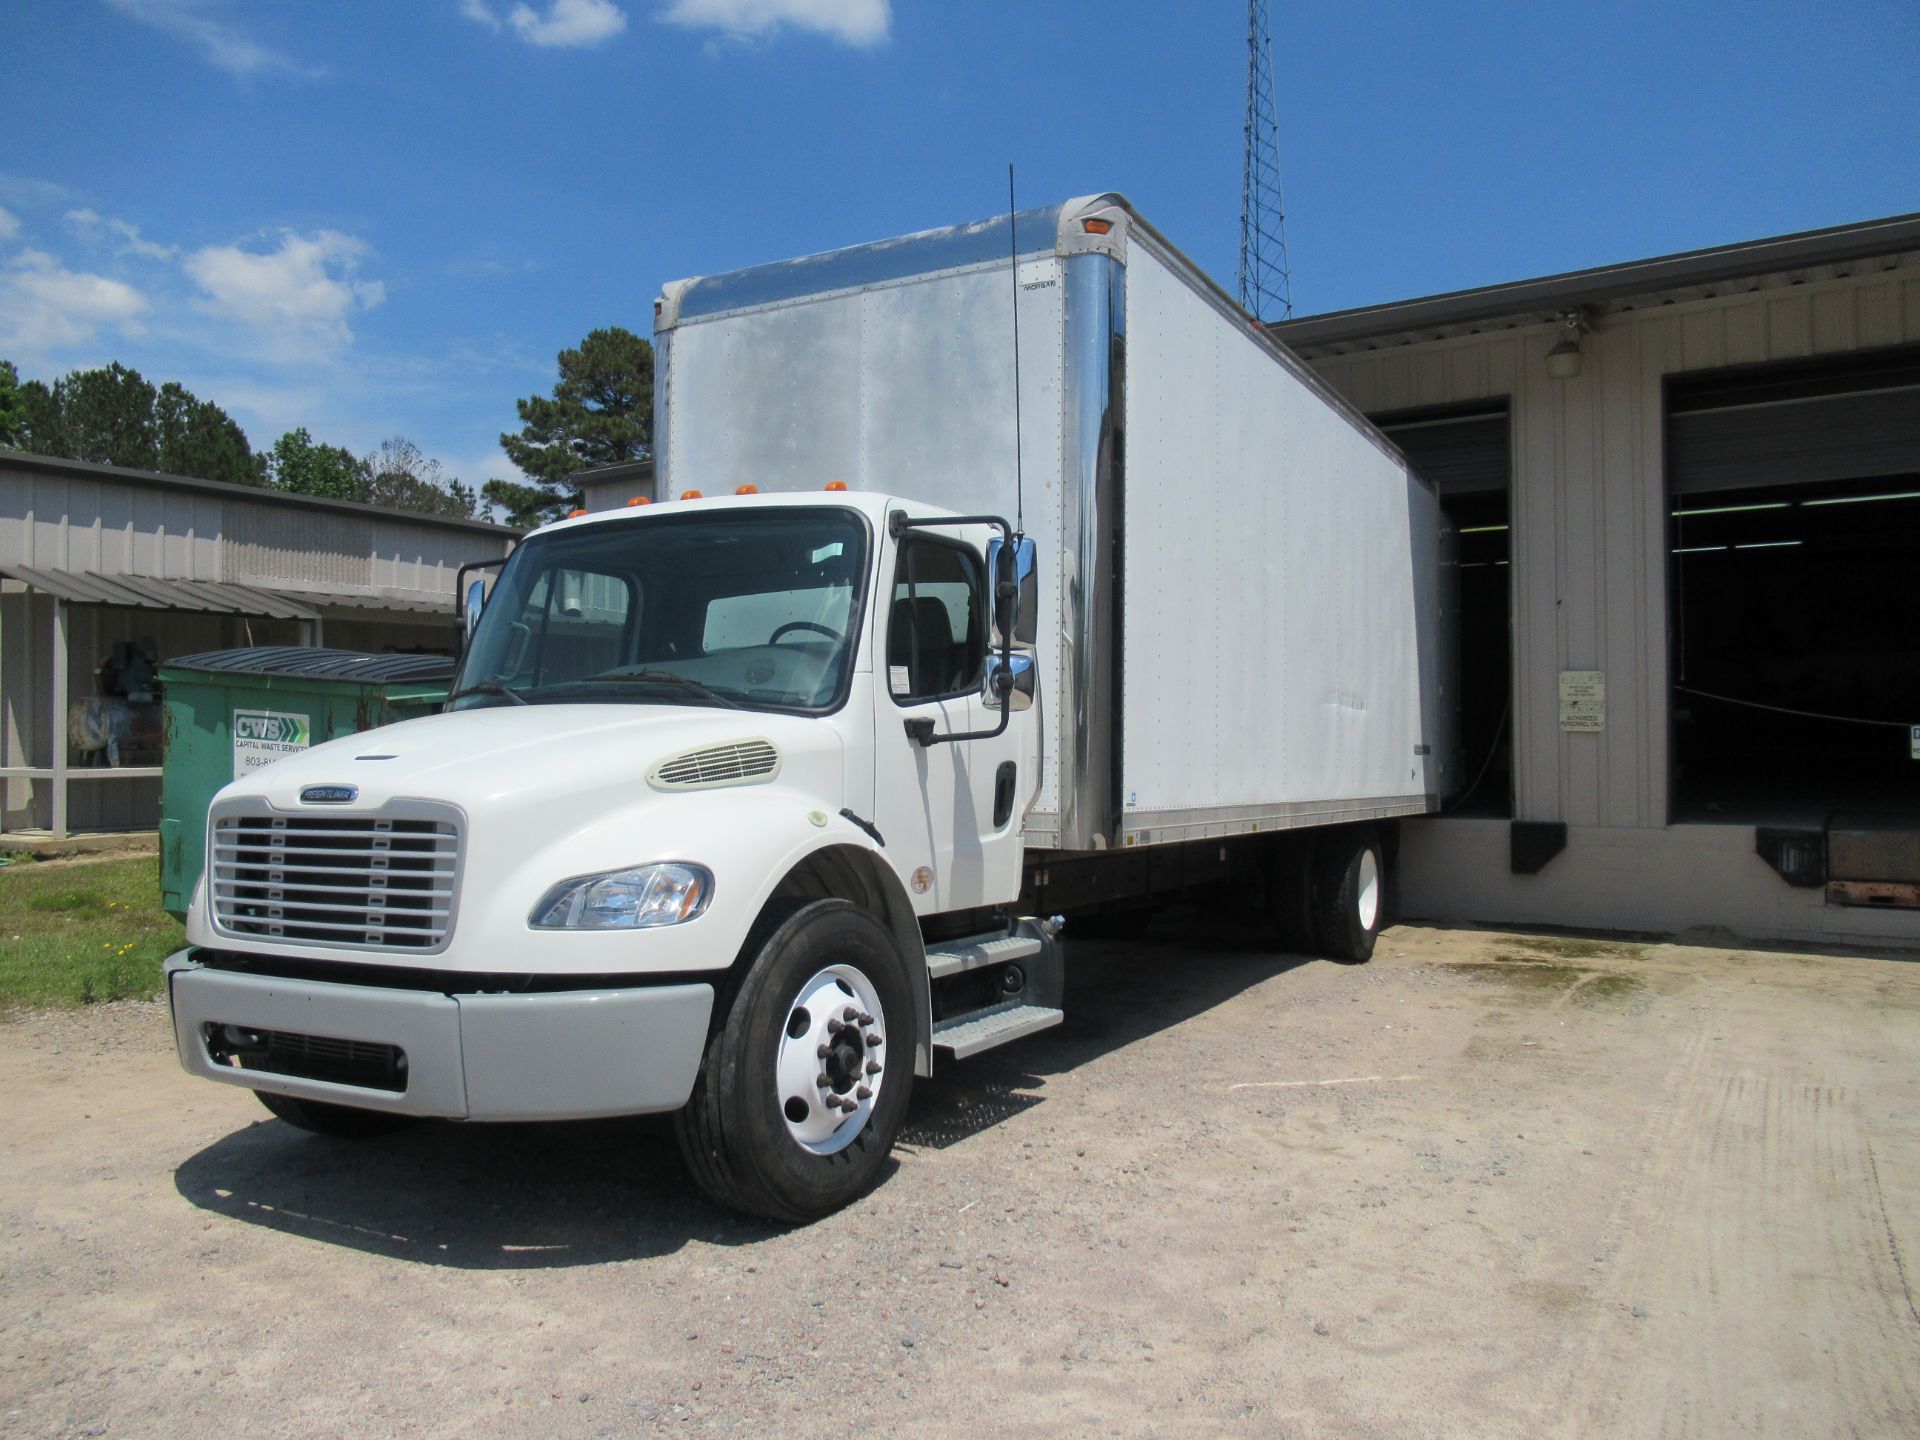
(505, 758)
(549, 792)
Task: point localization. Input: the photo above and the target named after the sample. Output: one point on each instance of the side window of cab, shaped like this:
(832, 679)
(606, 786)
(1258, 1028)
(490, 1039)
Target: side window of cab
(936, 628)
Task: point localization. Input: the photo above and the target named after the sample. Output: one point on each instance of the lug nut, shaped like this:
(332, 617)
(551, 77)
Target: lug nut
(824, 1083)
(834, 1027)
(849, 1105)
(874, 1039)
(850, 1015)
(862, 1092)
(865, 1019)
(873, 1067)
(823, 1050)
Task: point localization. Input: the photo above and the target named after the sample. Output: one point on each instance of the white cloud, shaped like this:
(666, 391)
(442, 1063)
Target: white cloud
(480, 12)
(565, 23)
(296, 298)
(29, 193)
(9, 223)
(222, 45)
(853, 22)
(44, 305)
(130, 241)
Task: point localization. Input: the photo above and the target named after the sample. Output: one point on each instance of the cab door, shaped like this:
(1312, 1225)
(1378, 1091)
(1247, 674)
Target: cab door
(948, 811)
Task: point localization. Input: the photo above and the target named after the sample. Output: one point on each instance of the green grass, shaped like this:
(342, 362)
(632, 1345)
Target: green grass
(77, 934)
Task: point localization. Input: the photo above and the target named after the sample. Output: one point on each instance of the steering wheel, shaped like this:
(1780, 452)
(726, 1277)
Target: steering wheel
(774, 639)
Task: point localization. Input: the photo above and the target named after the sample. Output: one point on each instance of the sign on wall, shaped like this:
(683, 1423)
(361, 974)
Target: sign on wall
(261, 737)
(1583, 701)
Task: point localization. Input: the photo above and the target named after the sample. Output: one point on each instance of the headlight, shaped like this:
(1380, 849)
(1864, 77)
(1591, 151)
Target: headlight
(642, 898)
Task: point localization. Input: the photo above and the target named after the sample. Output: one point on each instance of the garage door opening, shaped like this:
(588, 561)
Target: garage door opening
(1466, 453)
(1794, 528)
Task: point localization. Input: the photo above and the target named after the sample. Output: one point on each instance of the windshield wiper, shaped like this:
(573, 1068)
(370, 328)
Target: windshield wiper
(488, 687)
(668, 677)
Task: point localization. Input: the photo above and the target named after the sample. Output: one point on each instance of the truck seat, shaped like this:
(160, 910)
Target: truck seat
(935, 665)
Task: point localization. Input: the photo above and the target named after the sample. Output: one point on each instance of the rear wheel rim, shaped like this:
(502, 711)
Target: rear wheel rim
(1368, 890)
(829, 1067)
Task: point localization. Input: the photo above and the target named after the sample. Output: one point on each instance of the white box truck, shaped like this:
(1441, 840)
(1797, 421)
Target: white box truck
(759, 794)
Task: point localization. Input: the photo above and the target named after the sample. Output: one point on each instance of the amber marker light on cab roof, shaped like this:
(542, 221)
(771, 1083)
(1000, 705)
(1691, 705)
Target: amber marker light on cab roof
(1096, 227)
(575, 514)
(836, 485)
(691, 495)
(640, 500)
(746, 489)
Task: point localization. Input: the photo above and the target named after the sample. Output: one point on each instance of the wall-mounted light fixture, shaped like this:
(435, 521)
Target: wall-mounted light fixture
(1564, 359)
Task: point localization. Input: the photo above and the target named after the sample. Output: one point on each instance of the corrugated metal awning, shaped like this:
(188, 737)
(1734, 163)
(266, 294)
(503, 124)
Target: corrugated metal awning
(413, 604)
(215, 597)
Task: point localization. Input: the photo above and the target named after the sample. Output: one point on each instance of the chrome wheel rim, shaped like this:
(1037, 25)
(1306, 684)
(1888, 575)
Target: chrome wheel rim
(1369, 889)
(830, 1065)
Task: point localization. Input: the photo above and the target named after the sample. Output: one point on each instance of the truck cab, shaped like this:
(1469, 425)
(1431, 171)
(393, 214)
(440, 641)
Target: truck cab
(710, 772)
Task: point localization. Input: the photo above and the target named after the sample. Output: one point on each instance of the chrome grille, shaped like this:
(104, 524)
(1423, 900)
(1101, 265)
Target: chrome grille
(368, 881)
(736, 764)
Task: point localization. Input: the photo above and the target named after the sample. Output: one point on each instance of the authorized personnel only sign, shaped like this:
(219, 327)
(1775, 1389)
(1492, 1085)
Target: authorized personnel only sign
(261, 737)
(1583, 701)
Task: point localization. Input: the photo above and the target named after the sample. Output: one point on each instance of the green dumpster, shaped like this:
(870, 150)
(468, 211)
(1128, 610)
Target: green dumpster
(231, 711)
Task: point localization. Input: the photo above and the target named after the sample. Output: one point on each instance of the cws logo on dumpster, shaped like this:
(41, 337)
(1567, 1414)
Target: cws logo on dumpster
(261, 737)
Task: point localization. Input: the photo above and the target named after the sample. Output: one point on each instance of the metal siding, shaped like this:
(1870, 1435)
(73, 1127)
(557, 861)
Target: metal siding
(1590, 508)
(1878, 313)
(314, 550)
(1289, 675)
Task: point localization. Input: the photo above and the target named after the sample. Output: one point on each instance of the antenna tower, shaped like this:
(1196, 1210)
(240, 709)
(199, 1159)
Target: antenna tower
(1266, 282)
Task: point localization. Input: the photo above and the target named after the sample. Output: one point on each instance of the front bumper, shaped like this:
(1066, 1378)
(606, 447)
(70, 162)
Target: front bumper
(561, 1055)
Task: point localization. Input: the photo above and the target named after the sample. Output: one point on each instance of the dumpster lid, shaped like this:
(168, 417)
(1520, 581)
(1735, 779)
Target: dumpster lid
(314, 662)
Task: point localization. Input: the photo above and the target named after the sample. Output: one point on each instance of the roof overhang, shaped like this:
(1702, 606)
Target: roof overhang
(205, 597)
(1892, 243)
(209, 597)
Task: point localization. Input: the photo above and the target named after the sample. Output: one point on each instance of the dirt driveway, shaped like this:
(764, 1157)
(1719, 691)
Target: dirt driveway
(1489, 1185)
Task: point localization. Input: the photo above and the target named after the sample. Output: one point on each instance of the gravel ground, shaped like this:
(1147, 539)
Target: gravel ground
(1488, 1185)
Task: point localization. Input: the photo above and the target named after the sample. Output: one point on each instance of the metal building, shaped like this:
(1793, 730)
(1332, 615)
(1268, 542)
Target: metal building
(106, 573)
(610, 486)
(1687, 492)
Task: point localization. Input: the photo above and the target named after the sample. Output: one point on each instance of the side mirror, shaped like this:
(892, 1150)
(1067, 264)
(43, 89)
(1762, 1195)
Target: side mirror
(471, 596)
(1019, 691)
(476, 599)
(1016, 606)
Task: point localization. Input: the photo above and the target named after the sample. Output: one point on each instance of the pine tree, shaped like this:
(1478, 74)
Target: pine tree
(600, 413)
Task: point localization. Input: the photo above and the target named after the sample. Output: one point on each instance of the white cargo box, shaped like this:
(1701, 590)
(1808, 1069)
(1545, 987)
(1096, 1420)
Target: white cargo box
(1241, 576)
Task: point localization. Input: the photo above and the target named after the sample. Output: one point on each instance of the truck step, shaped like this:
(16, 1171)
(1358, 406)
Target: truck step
(979, 1030)
(954, 957)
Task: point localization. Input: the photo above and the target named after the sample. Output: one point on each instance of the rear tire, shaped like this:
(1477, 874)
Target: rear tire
(1349, 893)
(759, 1132)
(343, 1122)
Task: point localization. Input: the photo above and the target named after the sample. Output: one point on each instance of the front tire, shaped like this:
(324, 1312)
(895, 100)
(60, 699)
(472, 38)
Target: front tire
(1349, 893)
(343, 1122)
(804, 1085)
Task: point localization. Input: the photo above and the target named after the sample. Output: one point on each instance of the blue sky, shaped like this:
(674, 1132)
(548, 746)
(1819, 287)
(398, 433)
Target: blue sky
(385, 218)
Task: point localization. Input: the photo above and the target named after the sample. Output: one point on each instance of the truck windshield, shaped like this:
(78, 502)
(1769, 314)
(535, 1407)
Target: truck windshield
(747, 609)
